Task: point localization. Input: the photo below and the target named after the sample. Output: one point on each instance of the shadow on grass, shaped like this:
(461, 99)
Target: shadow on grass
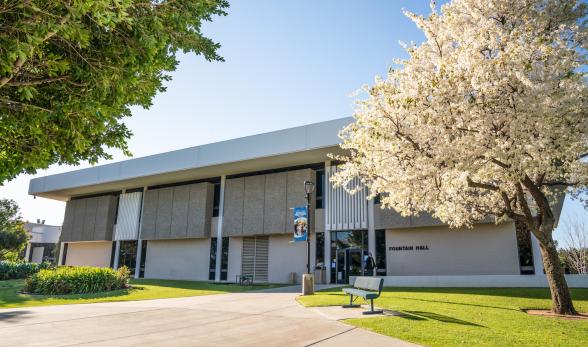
(436, 316)
(525, 293)
(458, 303)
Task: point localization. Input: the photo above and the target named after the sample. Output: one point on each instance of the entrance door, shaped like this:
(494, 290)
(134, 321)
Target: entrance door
(349, 263)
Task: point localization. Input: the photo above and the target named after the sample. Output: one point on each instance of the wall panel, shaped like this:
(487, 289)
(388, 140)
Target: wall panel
(179, 220)
(275, 209)
(148, 225)
(200, 209)
(253, 208)
(233, 208)
(164, 212)
(129, 213)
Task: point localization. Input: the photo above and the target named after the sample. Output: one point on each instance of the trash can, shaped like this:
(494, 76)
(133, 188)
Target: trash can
(293, 277)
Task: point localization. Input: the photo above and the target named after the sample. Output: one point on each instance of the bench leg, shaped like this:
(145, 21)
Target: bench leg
(371, 311)
(351, 305)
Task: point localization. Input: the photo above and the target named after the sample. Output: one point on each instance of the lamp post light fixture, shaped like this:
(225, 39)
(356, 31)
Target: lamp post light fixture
(309, 189)
(308, 277)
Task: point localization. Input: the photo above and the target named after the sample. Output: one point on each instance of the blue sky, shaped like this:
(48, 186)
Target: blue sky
(288, 63)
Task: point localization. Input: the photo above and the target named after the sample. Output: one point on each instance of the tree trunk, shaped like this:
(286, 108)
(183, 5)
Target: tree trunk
(561, 300)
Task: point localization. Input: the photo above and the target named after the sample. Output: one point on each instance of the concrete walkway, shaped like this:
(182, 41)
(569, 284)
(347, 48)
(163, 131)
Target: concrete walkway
(263, 318)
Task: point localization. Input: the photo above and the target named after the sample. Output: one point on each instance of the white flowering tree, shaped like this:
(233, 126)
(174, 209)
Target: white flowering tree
(487, 117)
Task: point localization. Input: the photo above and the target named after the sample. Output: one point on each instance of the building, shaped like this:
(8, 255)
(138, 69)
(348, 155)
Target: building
(43, 241)
(216, 211)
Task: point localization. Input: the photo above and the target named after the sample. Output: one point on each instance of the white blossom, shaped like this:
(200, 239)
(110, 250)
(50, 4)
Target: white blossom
(494, 95)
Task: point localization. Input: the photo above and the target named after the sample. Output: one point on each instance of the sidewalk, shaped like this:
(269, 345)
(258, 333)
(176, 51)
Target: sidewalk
(262, 318)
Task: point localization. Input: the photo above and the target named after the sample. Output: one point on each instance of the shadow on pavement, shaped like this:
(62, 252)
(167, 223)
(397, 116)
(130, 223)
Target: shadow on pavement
(13, 316)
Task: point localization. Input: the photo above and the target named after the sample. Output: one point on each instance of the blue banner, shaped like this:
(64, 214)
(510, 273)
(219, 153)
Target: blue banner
(300, 223)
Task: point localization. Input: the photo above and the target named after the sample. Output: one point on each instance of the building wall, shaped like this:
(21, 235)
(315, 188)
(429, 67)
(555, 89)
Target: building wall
(186, 259)
(89, 219)
(235, 249)
(180, 212)
(260, 204)
(89, 254)
(487, 249)
(286, 257)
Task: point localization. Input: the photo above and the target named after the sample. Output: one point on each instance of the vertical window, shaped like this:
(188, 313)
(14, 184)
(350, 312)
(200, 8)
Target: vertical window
(127, 255)
(380, 256)
(320, 187)
(377, 199)
(64, 254)
(212, 264)
(216, 200)
(112, 253)
(224, 259)
(525, 249)
(143, 257)
(320, 249)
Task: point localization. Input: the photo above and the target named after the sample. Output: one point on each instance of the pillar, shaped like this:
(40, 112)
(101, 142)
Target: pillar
(219, 231)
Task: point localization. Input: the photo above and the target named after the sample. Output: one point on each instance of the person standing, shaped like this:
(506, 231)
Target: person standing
(370, 265)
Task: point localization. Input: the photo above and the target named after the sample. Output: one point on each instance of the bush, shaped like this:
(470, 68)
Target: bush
(77, 280)
(10, 270)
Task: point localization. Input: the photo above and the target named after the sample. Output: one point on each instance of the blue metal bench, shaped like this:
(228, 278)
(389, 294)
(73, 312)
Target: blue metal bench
(368, 288)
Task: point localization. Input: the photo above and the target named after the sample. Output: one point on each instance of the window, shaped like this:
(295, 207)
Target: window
(216, 200)
(127, 255)
(64, 253)
(112, 254)
(378, 199)
(143, 257)
(212, 264)
(320, 249)
(525, 249)
(320, 187)
(225, 259)
(380, 256)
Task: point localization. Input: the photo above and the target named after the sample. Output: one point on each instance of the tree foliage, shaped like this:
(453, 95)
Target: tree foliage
(485, 118)
(70, 70)
(13, 236)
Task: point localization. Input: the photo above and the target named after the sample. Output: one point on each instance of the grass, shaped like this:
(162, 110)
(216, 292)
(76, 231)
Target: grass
(142, 289)
(468, 316)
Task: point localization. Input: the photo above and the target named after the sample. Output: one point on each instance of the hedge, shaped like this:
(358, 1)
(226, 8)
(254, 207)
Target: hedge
(77, 280)
(10, 270)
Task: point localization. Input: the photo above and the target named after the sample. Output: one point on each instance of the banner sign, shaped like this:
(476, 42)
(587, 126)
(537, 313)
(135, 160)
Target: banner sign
(300, 223)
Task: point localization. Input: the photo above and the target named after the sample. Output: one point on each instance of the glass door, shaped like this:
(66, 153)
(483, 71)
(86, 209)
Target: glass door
(354, 263)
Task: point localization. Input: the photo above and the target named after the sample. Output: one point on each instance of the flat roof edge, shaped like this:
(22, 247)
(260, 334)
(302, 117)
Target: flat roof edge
(271, 144)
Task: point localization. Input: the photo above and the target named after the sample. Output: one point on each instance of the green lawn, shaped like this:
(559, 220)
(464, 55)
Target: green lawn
(468, 316)
(142, 289)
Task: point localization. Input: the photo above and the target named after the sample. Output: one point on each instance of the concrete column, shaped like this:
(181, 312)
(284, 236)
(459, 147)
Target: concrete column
(537, 259)
(116, 253)
(27, 252)
(371, 228)
(219, 230)
(327, 232)
(60, 257)
(139, 241)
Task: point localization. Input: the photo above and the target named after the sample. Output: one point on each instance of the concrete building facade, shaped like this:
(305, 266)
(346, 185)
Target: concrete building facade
(217, 211)
(42, 244)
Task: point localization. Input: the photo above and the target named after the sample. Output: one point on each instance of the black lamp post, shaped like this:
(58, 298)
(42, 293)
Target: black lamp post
(308, 188)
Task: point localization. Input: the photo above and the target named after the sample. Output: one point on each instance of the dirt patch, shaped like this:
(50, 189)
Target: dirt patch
(548, 313)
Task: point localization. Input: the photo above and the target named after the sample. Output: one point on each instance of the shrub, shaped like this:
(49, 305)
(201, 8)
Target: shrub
(10, 270)
(77, 280)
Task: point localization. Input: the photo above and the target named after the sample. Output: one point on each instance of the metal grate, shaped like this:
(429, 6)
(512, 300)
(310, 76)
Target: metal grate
(254, 258)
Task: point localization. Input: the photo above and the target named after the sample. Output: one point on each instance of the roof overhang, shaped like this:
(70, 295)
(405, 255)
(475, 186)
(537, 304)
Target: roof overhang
(289, 147)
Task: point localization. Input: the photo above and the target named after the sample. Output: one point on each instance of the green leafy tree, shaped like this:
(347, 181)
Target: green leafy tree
(70, 70)
(13, 236)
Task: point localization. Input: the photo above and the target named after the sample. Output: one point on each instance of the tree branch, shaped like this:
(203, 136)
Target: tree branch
(36, 82)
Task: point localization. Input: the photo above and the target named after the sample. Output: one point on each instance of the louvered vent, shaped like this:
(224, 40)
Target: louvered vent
(254, 258)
